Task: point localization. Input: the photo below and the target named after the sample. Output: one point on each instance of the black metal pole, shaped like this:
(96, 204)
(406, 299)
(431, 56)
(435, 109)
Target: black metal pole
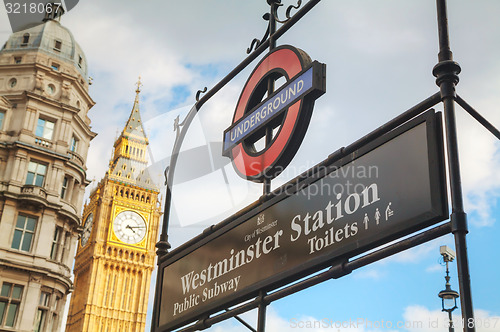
(451, 327)
(270, 83)
(446, 72)
(261, 322)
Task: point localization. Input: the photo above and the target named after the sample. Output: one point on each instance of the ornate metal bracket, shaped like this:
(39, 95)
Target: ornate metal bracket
(287, 13)
(199, 92)
(272, 17)
(257, 42)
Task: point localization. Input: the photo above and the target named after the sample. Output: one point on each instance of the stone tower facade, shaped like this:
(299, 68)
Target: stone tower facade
(116, 254)
(44, 138)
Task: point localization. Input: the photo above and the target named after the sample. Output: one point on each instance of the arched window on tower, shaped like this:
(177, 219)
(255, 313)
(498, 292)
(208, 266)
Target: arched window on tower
(26, 39)
(57, 45)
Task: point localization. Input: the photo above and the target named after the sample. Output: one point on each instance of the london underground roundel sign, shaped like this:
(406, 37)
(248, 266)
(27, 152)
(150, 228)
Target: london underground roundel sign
(279, 118)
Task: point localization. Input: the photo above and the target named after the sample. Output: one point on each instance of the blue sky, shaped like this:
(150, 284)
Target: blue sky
(379, 57)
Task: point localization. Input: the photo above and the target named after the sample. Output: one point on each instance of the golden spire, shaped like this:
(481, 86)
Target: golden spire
(132, 141)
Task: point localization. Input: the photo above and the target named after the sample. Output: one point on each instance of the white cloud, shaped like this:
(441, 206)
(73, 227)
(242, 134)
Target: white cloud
(434, 268)
(480, 162)
(420, 319)
(417, 254)
(369, 273)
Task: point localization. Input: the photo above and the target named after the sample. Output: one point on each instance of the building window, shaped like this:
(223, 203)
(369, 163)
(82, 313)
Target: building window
(10, 299)
(45, 128)
(55, 317)
(41, 314)
(2, 118)
(73, 145)
(12, 82)
(54, 66)
(65, 247)
(64, 187)
(24, 233)
(56, 243)
(26, 39)
(36, 174)
(60, 242)
(80, 60)
(57, 45)
(18, 59)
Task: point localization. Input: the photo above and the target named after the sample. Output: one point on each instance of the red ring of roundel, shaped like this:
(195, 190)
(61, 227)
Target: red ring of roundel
(272, 160)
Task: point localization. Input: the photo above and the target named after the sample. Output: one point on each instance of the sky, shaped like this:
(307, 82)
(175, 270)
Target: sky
(379, 57)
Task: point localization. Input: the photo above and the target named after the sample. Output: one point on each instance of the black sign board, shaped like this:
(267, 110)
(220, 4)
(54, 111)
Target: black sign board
(386, 189)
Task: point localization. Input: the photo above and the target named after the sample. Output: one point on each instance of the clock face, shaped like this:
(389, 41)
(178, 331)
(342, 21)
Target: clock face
(87, 229)
(129, 227)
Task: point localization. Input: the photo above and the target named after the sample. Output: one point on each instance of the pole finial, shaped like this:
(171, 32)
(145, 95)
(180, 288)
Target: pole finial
(139, 84)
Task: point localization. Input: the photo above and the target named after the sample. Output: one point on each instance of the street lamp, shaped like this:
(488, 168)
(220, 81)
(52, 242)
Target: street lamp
(448, 296)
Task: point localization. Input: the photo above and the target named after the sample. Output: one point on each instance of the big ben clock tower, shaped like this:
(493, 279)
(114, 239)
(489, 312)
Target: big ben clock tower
(116, 252)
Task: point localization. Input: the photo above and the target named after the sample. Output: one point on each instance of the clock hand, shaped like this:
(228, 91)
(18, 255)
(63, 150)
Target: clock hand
(130, 227)
(136, 226)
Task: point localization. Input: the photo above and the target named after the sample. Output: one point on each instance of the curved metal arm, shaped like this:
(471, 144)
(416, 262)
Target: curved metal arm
(287, 13)
(257, 42)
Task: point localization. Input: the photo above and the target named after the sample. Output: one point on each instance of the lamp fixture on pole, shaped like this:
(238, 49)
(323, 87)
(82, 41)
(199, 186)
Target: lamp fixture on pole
(448, 296)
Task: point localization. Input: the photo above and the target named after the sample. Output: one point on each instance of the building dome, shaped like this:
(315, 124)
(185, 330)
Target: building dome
(51, 38)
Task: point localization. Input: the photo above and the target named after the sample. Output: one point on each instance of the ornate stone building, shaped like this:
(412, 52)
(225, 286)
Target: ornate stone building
(116, 253)
(44, 138)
